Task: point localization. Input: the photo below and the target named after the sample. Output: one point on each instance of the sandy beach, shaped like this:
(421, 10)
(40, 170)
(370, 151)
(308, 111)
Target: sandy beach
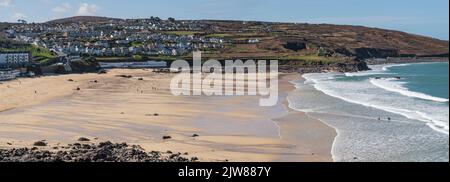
(141, 110)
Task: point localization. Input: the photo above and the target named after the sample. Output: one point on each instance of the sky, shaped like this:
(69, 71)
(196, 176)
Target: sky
(429, 18)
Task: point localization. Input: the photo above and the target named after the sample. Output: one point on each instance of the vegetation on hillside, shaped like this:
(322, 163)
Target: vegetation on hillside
(39, 54)
(182, 33)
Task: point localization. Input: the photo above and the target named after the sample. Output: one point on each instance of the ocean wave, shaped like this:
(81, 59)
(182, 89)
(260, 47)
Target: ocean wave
(362, 73)
(436, 124)
(367, 73)
(386, 67)
(375, 70)
(389, 84)
(334, 89)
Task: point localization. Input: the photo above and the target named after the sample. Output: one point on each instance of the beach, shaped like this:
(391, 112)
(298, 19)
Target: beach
(392, 113)
(140, 110)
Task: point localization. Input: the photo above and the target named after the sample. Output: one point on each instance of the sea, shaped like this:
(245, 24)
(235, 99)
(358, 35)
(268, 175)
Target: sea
(392, 113)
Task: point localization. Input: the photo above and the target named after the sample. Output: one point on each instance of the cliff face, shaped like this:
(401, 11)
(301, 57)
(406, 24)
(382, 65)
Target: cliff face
(349, 66)
(364, 53)
(295, 45)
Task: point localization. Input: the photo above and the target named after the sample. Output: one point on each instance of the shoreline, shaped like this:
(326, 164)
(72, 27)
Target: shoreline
(346, 131)
(315, 130)
(118, 109)
(289, 115)
(333, 131)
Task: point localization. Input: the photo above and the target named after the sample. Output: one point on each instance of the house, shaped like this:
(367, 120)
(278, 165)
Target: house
(146, 64)
(174, 52)
(122, 42)
(125, 51)
(253, 41)
(14, 59)
(116, 51)
(97, 52)
(107, 52)
(7, 75)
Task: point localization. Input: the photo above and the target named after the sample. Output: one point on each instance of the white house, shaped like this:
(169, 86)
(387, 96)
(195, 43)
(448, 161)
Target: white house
(14, 58)
(253, 41)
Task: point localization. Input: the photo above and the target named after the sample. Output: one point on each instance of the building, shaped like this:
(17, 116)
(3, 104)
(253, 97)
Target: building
(6, 76)
(147, 64)
(9, 75)
(14, 59)
(253, 41)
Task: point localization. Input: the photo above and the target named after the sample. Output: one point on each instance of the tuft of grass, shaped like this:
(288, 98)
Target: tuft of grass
(43, 60)
(137, 57)
(136, 44)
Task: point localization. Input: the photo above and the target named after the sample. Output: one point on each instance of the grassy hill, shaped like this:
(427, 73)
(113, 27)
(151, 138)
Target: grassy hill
(289, 40)
(310, 43)
(40, 54)
(293, 40)
(77, 19)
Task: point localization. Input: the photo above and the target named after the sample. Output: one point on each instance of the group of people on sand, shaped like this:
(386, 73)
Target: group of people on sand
(388, 118)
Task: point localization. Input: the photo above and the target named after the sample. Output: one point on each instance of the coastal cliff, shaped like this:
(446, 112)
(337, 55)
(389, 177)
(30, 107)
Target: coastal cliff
(349, 66)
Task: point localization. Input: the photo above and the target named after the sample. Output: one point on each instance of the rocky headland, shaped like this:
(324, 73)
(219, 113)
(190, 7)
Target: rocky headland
(83, 152)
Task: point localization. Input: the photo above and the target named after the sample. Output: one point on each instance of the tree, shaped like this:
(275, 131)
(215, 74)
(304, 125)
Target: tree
(155, 18)
(171, 19)
(137, 57)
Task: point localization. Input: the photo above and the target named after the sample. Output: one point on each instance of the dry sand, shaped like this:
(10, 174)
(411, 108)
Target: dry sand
(120, 109)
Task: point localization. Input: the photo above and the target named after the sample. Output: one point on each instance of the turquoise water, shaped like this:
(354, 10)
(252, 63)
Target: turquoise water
(418, 91)
(390, 113)
(429, 78)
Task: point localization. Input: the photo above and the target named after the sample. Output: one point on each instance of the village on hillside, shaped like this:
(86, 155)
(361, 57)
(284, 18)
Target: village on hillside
(85, 44)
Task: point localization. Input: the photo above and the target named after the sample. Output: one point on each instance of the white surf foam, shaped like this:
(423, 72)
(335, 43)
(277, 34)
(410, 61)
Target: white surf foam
(390, 84)
(375, 70)
(364, 93)
(386, 67)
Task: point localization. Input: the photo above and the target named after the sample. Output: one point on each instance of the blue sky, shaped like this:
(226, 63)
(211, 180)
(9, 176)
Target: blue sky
(430, 18)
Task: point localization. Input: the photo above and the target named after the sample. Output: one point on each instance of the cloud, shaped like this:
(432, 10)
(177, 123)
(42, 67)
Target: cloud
(87, 9)
(64, 8)
(18, 16)
(5, 3)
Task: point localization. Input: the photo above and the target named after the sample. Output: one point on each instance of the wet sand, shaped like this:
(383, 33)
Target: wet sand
(141, 112)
